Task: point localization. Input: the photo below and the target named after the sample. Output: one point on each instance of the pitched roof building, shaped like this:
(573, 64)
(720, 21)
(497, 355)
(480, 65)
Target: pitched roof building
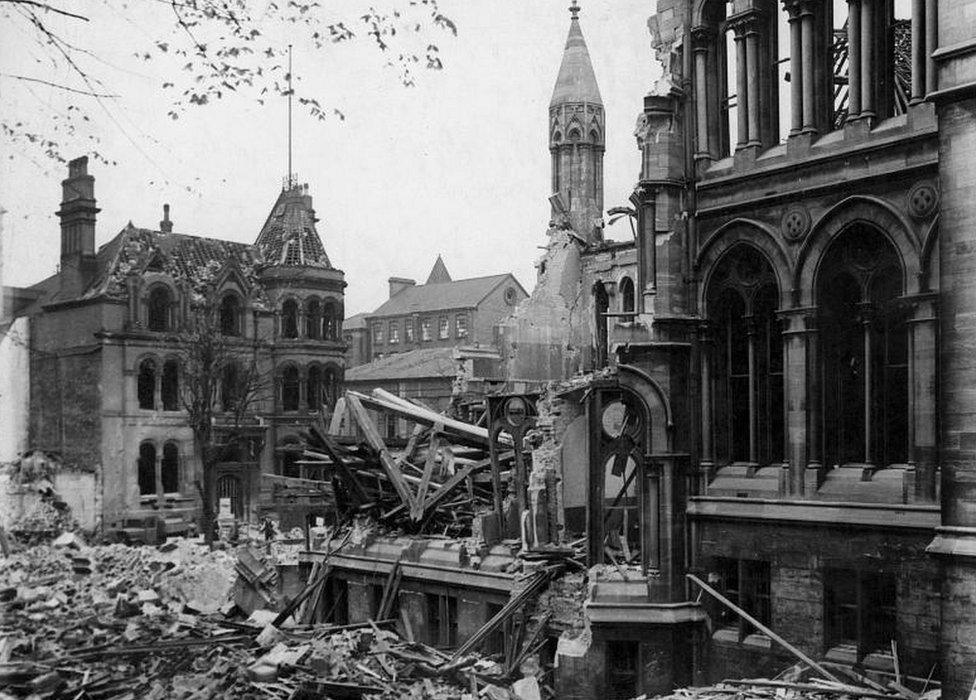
(107, 381)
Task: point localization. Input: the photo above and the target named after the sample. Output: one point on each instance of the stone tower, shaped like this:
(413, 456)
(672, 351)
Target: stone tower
(577, 137)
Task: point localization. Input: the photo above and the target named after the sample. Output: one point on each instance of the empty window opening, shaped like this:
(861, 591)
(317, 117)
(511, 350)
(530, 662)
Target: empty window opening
(147, 469)
(627, 297)
(170, 386)
(313, 319)
(290, 389)
(289, 319)
(158, 309)
(146, 385)
(230, 315)
(444, 328)
(170, 469)
(313, 388)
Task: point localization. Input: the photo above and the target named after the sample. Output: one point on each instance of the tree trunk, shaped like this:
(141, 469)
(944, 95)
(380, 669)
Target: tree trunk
(208, 462)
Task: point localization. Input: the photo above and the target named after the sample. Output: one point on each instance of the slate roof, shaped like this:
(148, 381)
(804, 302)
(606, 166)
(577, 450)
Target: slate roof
(576, 81)
(423, 363)
(439, 272)
(459, 294)
(354, 321)
(289, 237)
(194, 258)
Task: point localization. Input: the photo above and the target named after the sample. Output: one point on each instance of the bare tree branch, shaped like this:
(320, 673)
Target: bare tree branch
(45, 6)
(57, 85)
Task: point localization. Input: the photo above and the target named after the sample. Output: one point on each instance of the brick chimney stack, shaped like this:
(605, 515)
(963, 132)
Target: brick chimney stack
(77, 214)
(166, 226)
(398, 284)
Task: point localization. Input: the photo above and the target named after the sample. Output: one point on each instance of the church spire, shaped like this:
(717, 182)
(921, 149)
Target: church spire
(577, 136)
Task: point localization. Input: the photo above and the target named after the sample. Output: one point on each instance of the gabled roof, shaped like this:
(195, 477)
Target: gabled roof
(415, 364)
(289, 237)
(196, 259)
(577, 81)
(439, 272)
(459, 294)
(353, 322)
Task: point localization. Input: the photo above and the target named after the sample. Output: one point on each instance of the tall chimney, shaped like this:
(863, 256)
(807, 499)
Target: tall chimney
(77, 214)
(166, 226)
(398, 284)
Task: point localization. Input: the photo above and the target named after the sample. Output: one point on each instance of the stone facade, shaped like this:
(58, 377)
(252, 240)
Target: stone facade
(787, 343)
(106, 380)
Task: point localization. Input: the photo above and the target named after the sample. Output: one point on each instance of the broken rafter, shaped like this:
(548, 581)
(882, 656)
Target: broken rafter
(376, 442)
(763, 628)
(417, 510)
(325, 441)
(387, 401)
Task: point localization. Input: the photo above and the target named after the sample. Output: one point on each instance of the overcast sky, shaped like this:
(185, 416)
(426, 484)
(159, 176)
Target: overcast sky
(458, 165)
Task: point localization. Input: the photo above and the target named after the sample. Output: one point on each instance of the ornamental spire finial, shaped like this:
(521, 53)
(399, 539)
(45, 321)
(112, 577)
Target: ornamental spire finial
(574, 9)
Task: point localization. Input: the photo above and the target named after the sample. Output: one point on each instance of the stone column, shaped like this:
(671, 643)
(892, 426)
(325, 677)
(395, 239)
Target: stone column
(796, 69)
(796, 337)
(703, 38)
(160, 497)
(752, 62)
(707, 445)
(806, 40)
(853, 59)
(646, 200)
(741, 88)
(923, 360)
(753, 417)
(918, 51)
(868, 380)
(867, 58)
(931, 44)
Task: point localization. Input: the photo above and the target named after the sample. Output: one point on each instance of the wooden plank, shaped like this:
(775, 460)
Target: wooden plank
(376, 442)
(761, 627)
(335, 425)
(397, 405)
(359, 491)
(416, 512)
(390, 591)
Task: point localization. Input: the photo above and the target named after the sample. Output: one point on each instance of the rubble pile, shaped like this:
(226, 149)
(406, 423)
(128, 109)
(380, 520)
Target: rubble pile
(139, 622)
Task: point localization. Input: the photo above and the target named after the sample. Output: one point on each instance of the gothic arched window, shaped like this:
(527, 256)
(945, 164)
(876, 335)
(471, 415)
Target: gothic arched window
(627, 296)
(864, 350)
(747, 381)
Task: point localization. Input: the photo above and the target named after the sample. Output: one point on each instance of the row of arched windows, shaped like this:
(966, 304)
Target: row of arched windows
(314, 320)
(861, 370)
(158, 472)
(311, 388)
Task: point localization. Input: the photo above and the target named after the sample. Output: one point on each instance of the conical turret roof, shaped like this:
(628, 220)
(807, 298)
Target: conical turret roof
(289, 236)
(577, 81)
(439, 273)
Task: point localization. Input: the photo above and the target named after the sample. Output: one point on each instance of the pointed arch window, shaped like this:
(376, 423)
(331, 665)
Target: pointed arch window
(331, 321)
(158, 308)
(230, 385)
(747, 355)
(170, 386)
(146, 384)
(864, 350)
(289, 319)
(601, 306)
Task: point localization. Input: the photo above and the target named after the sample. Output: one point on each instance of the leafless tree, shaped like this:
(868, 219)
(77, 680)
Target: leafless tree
(222, 388)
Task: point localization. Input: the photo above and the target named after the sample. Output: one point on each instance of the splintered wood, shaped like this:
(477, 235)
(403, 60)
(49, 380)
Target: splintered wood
(434, 484)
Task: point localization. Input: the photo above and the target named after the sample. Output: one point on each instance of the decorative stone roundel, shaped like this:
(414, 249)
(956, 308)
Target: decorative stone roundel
(795, 223)
(922, 199)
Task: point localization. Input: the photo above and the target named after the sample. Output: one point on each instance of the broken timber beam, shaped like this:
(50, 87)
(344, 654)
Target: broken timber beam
(376, 442)
(760, 626)
(417, 510)
(359, 491)
(385, 399)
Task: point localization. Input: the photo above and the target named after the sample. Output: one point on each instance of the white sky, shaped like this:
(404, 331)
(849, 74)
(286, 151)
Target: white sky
(458, 165)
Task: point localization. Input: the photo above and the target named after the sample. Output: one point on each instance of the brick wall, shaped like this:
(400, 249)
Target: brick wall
(65, 413)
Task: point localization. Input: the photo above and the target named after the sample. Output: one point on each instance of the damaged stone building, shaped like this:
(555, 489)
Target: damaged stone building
(773, 376)
(103, 340)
